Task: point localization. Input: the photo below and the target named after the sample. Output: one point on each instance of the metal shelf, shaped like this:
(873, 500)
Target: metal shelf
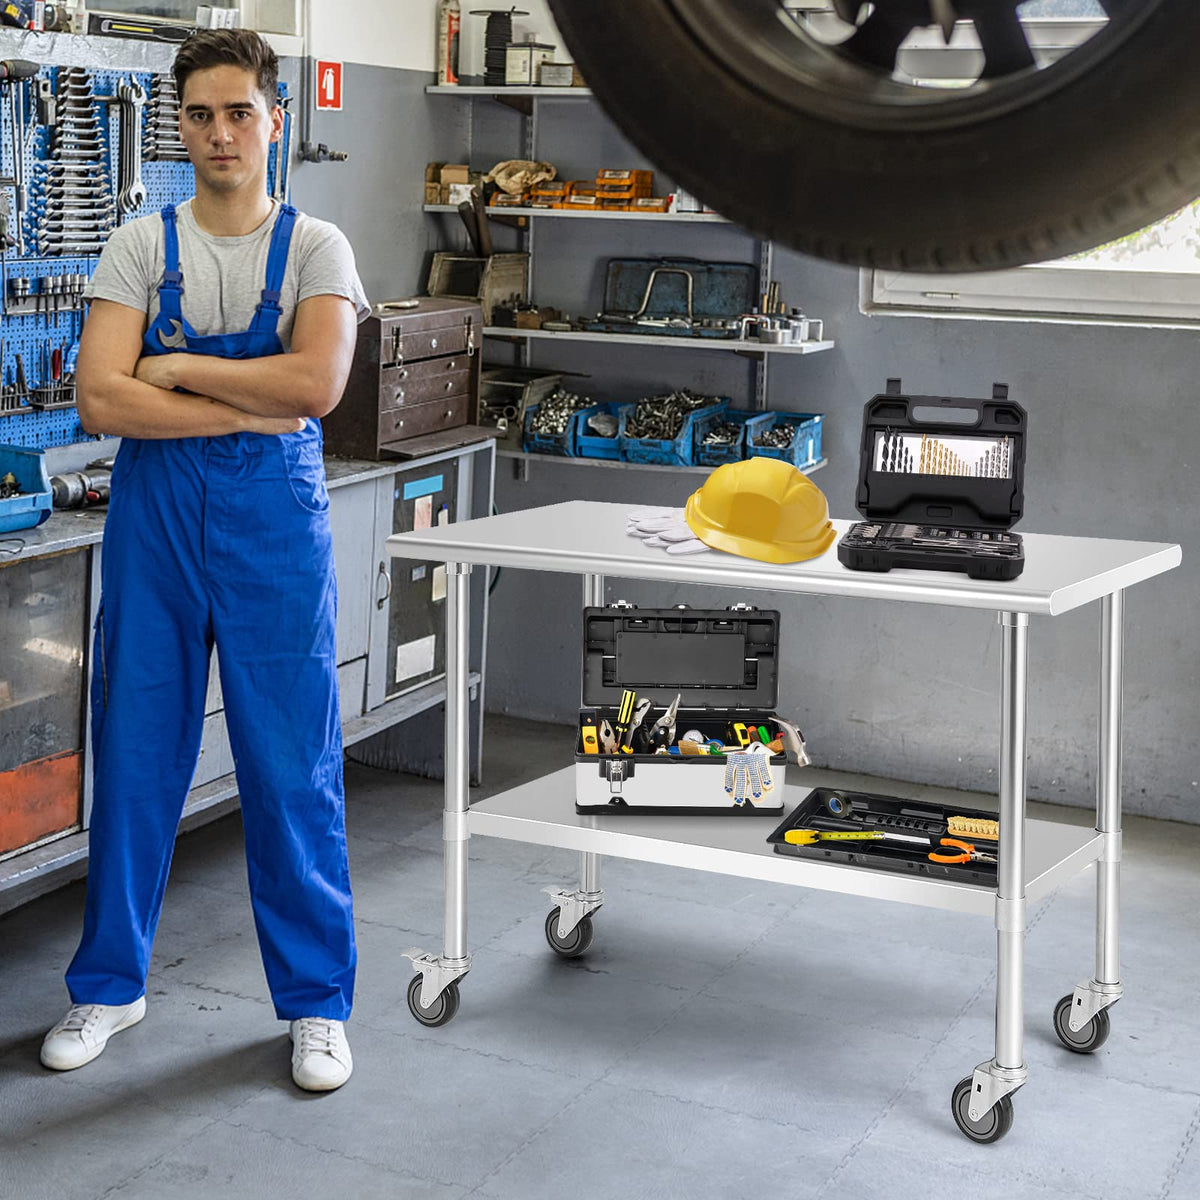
(458, 89)
(524, 457)
(732, 345)
(508, 214)
(543, 813)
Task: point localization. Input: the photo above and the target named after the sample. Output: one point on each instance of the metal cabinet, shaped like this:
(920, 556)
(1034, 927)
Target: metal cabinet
(43, 625)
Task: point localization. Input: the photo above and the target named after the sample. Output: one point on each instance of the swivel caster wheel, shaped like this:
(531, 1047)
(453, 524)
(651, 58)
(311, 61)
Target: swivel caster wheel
(993, 1125)
(575, 943)
(1082, 1041)
(440, 1011)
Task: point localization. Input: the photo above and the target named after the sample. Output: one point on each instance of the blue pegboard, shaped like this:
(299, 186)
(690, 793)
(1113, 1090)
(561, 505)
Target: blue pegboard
(34, 336)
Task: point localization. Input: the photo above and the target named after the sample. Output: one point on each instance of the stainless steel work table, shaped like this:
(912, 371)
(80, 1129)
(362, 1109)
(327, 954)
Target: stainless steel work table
(1061, 573)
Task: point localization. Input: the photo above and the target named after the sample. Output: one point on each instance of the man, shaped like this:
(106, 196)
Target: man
(217, 334)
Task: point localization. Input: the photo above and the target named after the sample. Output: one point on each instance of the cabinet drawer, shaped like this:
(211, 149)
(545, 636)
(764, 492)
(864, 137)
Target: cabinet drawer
(421, 382)
(400, 344)
(414, 419)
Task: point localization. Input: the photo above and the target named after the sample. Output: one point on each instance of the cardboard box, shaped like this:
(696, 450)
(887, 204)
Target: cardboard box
(523, 62)
(433, 172)
(433, 193)
(455, 173)
(554, 74)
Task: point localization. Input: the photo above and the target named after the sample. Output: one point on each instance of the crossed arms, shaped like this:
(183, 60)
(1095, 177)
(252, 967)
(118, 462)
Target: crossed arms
(121, 393)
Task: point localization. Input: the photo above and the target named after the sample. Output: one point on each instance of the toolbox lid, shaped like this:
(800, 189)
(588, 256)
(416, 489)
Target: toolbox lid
(942, 460)
(678, 287)
(715, 658)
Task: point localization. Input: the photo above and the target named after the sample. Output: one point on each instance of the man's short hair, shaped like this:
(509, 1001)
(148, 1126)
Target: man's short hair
(233, 47)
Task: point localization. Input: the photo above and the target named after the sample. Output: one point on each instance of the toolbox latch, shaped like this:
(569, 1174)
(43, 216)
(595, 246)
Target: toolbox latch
(616, 770)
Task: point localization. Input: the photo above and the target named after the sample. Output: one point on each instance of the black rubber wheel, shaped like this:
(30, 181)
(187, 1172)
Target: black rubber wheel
(996, 1122)
(1091, 1037)
(821, 148)
(575, 943)
(440, 1011)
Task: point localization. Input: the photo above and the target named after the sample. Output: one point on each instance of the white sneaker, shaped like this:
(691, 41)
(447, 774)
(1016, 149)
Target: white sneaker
(321, 1059)
(84, 1032)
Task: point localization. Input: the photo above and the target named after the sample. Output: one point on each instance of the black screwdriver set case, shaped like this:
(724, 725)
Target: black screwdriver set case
(941, 483)
(724, 665)
(835, 811)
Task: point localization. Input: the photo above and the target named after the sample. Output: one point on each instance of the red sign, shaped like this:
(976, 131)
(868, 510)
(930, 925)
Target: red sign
(329, 85)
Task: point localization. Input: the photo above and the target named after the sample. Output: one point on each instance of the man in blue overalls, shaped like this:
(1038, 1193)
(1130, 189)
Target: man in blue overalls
(218, 333)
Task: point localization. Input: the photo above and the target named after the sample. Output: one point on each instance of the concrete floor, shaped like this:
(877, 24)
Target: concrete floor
(722, 1039)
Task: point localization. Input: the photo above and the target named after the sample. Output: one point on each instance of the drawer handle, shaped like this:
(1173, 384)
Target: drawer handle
(450, 386)
(404, 373)
(398, 423)
(386, 575)
(449, 413)
(433, 343)
(399, 393)
(450, 365)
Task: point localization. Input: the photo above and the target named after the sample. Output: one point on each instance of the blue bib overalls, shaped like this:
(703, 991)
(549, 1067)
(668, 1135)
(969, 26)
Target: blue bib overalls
(225, 540)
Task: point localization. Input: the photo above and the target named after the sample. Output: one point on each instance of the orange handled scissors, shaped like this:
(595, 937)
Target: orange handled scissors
(966, 852)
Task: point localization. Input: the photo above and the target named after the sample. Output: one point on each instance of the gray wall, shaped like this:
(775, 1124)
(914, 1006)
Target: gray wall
(907, 691)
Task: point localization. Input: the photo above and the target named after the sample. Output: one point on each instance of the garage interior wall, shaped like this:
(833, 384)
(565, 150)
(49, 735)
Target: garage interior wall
(888, 689)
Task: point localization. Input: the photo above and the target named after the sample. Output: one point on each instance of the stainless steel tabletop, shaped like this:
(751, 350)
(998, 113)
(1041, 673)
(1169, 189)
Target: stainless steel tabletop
(587, 537)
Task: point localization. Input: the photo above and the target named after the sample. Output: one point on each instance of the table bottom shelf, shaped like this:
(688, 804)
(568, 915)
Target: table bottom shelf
(543, 813)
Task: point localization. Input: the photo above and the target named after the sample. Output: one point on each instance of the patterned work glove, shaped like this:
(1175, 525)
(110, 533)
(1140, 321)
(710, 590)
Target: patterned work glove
(749, 774)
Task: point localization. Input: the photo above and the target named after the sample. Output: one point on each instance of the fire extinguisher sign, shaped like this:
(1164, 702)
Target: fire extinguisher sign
(329, 85)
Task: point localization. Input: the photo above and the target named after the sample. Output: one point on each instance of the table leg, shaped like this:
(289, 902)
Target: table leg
(1081, 1019)
(568, 925)
(981, 1104)
(433, 993)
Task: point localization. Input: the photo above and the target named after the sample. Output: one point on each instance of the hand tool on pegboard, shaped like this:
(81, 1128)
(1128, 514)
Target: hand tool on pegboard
(131, 191)
(12, 74)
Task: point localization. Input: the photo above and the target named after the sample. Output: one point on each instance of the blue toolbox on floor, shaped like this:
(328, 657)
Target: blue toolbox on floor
(25, 495)
(666, 692)
(676, 297)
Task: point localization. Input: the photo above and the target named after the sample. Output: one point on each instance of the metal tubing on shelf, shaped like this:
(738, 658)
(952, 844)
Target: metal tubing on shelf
(1010, 881)
(589, 864)
(458, 612)
(1108, 788)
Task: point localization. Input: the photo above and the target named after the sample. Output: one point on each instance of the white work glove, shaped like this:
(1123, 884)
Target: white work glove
(664, 529)
(749, 772)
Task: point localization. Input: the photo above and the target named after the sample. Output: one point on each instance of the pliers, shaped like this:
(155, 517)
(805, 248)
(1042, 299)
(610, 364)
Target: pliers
(662, 732)
(966, 853)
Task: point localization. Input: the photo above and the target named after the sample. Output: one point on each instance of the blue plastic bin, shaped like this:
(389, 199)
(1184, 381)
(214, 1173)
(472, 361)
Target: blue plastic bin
(546, 443)
(675, 452)
(589, 445)
(715, 456)
(805, 448)
(36, 503)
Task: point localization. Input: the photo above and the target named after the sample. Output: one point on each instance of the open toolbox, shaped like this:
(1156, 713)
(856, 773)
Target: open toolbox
(684, 297)
(723, 664)
(941, 483)
(911, 829)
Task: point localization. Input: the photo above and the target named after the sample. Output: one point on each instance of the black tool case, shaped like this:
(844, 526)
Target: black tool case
(941, 483)
(725, 665)
(680, 297)
(914, 818)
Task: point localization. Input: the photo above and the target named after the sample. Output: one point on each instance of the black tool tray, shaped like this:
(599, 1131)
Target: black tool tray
(724, 664)
(682, 297)
(941, 483)
(889, 814)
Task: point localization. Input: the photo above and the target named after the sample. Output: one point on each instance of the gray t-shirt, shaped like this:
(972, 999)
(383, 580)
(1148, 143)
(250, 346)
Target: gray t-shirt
(223, 277)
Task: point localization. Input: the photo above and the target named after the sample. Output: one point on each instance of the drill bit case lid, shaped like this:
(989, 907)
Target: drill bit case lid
(723, 664)
(941, 482)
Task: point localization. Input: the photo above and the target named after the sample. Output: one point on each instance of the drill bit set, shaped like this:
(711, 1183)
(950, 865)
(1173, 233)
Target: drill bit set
(716, 747)
(961, 461)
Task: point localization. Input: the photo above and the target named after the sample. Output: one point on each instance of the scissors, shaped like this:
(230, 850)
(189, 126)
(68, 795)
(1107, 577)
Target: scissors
(966, 853)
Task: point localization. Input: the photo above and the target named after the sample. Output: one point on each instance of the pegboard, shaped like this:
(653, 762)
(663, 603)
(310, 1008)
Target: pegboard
(36, 329)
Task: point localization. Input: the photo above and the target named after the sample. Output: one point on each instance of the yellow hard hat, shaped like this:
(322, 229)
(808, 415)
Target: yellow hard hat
(761, 508)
